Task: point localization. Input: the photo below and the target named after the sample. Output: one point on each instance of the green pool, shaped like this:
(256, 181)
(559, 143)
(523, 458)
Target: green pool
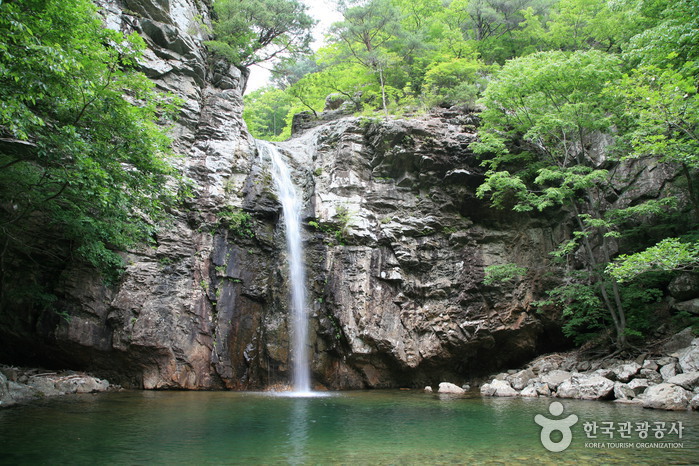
(364, 427)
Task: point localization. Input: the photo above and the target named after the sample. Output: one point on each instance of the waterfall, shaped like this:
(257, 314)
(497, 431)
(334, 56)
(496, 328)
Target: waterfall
(291, 210)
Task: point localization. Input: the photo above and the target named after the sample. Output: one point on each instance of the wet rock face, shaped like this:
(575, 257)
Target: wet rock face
(400, 243)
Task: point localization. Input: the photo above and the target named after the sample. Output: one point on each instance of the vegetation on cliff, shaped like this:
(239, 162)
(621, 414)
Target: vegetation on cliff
(83, 153)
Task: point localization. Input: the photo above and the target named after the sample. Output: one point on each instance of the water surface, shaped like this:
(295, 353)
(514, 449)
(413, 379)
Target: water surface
(363, 427)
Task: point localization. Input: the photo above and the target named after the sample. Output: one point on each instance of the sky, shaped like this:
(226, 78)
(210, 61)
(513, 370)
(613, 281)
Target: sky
(326, 14)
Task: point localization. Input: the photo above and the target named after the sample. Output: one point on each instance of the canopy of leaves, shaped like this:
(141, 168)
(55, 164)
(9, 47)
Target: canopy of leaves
(84, 167)
(551, 102)
(670, 254)
(247, 32)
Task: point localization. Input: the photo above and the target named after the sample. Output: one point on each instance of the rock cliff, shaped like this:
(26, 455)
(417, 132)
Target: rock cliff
(396, 245)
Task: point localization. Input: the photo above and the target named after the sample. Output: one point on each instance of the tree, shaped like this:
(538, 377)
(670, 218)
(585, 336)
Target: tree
(84, 168)
(670, 254)
(248, 32)
(266, 111)
(366, 32)
(552, 105)
(659, 121)
(671, 40)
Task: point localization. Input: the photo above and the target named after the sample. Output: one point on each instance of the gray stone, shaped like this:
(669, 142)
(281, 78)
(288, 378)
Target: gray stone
(668, 371)
(520, 379)
(678, 341)
(623, 391)
(688, 359)
(428, 389)
(447, 387)
(82, 384)
(665, 360)
(650, 365)
(545, 365)
(502, 388)
(686, 380)
(46, 386)
(684, 286)
(624, 372)
(694, 402)
(4, 391)
(652, 376)
(691, 306)
(554, 378)
(586, 387)
(529, 391)
(584, 366)
(638, 385)
(543, 389)
(487, 389)
(666, 396)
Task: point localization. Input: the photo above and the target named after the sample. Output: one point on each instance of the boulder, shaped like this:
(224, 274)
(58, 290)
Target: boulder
(686, 380)
(584, 366)
(688, 358)
(46, 386)
(529, 391)
(487, 389)
(543, 389)
(638, 385)
(650, 365)
(624, 372)
(4, 391)
(554, 378)
(546, 364)
(498, 388)
(684, 286)
(520, 379)
(694, 402)
(668, 371)
(665, 360)
(446, 387)
(666, 396)
(691, 306)
(428, 389)
(586, 387)
(678, 341)
(623, 392)
(652, 376)
(82, 384)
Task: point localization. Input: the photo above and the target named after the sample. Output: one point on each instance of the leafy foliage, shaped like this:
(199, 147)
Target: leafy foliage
(83, 155)
(254, 31)
(266, 112)
(502, 273)
(237, 221)
(670, 254)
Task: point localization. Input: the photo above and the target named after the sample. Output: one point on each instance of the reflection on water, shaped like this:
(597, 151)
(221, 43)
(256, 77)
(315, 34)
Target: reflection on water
(298, 431)
(375, 427)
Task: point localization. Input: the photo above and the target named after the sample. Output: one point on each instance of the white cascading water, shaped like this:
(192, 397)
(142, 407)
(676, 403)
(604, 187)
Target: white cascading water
(291, 210)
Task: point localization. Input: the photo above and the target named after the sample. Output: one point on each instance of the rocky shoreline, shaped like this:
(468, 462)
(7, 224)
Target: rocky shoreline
(665, 379)
(21, 385)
